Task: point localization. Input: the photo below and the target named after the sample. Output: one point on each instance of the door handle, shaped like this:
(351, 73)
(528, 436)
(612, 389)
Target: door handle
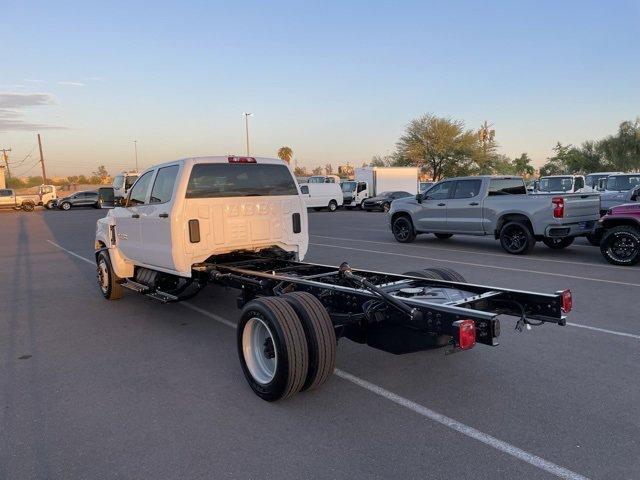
(474, 203)
(442, 204)
(135, 215)
(164, 215)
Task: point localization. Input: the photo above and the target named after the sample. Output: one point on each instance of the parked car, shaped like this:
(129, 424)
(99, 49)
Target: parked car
(383, 201)
(560, 184)
(498, 206)
(620, 229)
(594, 181)
(320, 195)
(619, 189)
(9, 199)
(79, 199)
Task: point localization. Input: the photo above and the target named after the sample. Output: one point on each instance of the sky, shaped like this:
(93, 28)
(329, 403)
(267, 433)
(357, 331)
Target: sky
(335, 81)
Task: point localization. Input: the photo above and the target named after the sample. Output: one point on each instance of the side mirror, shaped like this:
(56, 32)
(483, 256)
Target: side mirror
(419, 198)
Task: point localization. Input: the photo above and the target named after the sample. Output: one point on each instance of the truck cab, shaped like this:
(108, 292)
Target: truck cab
(122, 183)
(181, 213)
(561, 184)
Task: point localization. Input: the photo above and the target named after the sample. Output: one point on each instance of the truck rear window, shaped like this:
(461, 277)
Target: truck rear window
(210, 180)
(507, 186)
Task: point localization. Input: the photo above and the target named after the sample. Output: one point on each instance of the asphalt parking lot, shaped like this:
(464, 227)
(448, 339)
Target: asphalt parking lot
(139, 389)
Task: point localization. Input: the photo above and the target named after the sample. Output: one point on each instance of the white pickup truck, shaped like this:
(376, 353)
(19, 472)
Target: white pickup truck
(9, 199)
(241, 222)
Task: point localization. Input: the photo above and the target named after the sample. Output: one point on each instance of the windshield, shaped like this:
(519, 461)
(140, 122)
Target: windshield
(622, 183)
(209, 180)
(556, 184)
(348, 187)
(385, 194)
(118, 181)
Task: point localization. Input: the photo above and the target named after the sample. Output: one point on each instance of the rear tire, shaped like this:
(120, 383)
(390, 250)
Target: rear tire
(333, 206)
(321, 337)
(621, 245)
(443, 236)
(272, 348)
(558, 243)
(403, 230)
(516, 238)
(108, 281)
(28, 207)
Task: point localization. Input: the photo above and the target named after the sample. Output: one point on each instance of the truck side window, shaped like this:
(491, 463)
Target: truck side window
(440, 191)
(361, 186)
(507, 186)
(467, 188)
(579, 183)
(139, 191)
(163, 185)
(5, 193)
(304, 189)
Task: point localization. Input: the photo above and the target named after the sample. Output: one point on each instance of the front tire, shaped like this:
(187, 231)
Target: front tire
(108, 281)
(320, 334)
(272, 348)
(558, 243)
(516, 238)
(403, 230)
(65, 206)
(621, 245)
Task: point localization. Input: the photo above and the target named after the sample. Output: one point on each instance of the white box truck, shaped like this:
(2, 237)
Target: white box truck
(372, 181)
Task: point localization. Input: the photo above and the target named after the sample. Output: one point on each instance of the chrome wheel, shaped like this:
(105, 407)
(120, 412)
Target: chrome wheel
(259, 351)
(103, 276)
(66, 206)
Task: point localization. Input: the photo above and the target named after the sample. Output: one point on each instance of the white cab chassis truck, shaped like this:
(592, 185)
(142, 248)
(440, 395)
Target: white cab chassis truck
(241, 222)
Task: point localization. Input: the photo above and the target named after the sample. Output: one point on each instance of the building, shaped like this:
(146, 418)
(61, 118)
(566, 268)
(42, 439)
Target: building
(3, 183)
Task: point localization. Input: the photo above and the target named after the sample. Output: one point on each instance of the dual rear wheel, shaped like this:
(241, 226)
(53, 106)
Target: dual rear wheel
(286, 344)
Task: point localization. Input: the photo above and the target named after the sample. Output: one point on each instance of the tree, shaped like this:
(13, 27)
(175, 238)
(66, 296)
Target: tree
(522, 166)
(300, 172)
(285, 153)
(622, 151)
(317, 171)
(328, 169)
(441, 145)
(101, 174)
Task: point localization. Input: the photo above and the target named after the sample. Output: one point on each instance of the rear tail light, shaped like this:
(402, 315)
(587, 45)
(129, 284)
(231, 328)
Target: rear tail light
(567, 301)
(464, 334)
(558, 207)
(241, 160)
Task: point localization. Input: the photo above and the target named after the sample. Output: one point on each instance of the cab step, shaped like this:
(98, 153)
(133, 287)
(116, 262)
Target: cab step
(136, 287)
(162, 296)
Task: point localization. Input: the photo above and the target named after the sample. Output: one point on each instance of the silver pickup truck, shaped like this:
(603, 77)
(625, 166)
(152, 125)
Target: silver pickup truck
(498, 206)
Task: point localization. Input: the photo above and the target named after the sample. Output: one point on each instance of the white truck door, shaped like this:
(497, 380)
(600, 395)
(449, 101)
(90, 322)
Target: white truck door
(128, 225)
(156, 220)
(6, 197)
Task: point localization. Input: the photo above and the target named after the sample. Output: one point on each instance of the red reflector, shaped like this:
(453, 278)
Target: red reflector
(558, 210)
(567, 301)
(241, 160)
(464, 334)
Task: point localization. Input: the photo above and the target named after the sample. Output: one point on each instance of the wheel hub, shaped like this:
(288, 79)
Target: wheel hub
(258, 349)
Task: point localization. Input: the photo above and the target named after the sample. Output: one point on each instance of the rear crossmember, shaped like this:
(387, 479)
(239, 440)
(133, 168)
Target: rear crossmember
(395, 313)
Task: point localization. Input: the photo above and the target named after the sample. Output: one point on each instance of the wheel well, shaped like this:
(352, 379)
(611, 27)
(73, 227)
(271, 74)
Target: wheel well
(512, 217)
(397, 215)
(616, 222)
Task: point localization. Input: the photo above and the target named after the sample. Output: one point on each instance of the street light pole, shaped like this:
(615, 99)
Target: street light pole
(135, 147)
(246, 128)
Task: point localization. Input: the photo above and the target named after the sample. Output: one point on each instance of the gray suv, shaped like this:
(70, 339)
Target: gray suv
(79, 199)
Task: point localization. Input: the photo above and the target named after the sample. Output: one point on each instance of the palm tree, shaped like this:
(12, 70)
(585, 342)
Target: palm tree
(285, 153)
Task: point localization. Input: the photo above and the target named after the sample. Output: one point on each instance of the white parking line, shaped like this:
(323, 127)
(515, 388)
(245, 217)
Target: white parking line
(458, 250)
(459, 262)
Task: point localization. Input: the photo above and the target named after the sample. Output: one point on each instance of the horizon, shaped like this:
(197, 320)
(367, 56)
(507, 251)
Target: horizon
(177, 78)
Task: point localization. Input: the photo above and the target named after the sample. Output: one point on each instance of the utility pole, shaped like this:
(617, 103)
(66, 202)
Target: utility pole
(44, 174)
(486, 136)
(135, 146)
(246, 127)
(6, 159)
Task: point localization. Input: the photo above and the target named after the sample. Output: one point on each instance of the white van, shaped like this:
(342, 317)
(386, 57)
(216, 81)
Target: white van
(322, 195)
